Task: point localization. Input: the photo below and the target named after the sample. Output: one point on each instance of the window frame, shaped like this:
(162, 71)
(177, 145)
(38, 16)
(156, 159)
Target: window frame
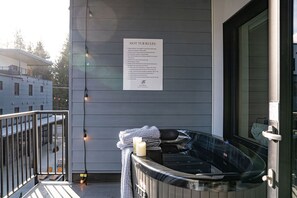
(16, 109)
(16, 89)
(30, 90)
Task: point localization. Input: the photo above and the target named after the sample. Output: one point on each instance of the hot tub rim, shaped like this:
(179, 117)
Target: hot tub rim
(186, 180)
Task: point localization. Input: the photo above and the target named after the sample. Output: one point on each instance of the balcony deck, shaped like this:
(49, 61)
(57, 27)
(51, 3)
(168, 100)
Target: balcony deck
(60, 189)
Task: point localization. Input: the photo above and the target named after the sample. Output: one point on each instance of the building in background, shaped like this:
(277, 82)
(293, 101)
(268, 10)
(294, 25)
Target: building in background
(19, 89)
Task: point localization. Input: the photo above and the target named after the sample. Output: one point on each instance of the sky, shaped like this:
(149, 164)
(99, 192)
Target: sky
(38, 20)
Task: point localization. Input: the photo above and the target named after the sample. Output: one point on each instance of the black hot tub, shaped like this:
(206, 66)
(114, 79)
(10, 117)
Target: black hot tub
(197, 164)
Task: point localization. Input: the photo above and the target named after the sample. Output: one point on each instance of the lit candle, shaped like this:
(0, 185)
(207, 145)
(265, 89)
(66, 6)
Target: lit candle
(135, 141)
(141, 149)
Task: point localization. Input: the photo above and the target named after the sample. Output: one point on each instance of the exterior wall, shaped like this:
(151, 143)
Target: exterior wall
(185, 102)
(9, 101)
(221, 11)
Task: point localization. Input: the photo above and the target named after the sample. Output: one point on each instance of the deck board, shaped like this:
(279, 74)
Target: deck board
(62, 189)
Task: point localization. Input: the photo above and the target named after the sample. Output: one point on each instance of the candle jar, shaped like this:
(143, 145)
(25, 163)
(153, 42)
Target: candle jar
(135, 141)
(141, 149)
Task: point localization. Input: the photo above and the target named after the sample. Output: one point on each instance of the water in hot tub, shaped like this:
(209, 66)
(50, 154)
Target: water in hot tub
(195, 163)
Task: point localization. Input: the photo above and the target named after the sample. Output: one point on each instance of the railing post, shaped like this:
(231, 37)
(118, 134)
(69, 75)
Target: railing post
(66, 146)
(35, 147)
(2, 164)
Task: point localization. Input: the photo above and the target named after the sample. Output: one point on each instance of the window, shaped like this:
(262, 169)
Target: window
(30, 108)
(246, 76)
(41, 107)
(30, 90)
(1, 111)
(41, 89)
(16, 109)
(16, 89)
(1, 85)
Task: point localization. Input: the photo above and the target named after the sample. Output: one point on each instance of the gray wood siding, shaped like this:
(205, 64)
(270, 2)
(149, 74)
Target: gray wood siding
(185, 102)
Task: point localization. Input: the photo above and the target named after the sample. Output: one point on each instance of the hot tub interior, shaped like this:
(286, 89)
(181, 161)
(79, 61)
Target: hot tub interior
(200, 153)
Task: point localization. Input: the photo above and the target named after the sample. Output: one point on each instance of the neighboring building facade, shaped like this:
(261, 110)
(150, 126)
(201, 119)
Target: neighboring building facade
(19, 90)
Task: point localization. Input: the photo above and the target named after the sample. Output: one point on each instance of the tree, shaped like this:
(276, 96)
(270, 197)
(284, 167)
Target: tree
(43, 71)
(19, 41)
(60, 79)
(30, 48)
(40, 51)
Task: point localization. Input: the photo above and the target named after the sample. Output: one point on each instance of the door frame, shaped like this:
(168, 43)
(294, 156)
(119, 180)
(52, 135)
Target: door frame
(285, 56)
(286, 97)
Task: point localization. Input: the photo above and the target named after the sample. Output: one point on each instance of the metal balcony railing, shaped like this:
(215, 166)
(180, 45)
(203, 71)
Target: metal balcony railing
(34, 147)
(15, 70)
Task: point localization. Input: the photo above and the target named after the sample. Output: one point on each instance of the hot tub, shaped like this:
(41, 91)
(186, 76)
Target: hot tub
(198, 164)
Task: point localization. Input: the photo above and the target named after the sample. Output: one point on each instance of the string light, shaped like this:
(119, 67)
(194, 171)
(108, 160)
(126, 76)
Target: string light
(85, 135)
(82, 180)
(86, 51)
(84, 176)
(86, 95)
(90, 13)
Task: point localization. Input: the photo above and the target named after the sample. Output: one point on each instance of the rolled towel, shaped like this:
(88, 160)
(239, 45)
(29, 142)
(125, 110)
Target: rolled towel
(148, 134)
(151, 135)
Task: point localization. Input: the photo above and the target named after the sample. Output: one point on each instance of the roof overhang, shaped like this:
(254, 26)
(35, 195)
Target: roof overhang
(26, 57)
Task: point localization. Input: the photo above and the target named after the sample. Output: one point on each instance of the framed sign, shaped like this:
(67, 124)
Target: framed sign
(143, 64)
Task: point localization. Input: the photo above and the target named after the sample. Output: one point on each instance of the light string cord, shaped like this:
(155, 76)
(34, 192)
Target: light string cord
(85, 92)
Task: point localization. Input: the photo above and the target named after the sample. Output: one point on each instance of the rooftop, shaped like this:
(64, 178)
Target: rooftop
(30, 59)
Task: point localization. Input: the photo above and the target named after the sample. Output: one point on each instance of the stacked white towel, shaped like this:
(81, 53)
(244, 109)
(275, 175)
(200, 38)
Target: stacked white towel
(151, 135)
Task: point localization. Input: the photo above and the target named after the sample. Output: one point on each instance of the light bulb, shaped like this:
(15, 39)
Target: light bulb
(86, 94)
(83, 178)
(85, 135)
(90, 14)
(87, 51)
(86, 97)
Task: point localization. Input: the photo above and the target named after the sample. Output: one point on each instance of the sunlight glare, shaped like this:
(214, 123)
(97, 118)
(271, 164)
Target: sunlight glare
(38, 20)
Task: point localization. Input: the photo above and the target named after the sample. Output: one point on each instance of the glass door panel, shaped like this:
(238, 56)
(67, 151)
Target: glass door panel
(253, 79)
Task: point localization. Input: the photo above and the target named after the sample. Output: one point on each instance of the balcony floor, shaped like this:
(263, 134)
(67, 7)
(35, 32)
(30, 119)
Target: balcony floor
(58, 189)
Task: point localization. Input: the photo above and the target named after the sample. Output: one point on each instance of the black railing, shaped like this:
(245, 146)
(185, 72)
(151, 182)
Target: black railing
(34, 147)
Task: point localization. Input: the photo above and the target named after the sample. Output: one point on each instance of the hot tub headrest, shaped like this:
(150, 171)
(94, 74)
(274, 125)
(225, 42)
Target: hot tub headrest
(168, 134)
